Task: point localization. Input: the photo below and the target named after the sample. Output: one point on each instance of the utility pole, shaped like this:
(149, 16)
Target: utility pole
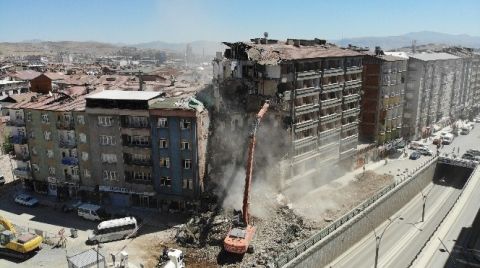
(424, 198)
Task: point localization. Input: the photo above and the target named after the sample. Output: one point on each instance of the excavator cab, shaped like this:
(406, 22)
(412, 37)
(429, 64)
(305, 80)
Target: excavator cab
(5, 237)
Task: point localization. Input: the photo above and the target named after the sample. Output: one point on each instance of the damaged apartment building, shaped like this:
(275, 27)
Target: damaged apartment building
(314, 90)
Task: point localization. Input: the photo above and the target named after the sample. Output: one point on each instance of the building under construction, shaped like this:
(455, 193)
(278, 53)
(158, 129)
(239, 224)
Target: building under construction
(314, 92)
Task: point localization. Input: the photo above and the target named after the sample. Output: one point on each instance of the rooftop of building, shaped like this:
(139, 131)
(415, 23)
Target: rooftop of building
(399, 54)
(25, 74)
(434, 56)
(52, 102)
(124, 95)
(272, 52)
(386, 57)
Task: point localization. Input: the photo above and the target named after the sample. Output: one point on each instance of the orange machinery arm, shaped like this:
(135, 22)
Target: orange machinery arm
(249, 168)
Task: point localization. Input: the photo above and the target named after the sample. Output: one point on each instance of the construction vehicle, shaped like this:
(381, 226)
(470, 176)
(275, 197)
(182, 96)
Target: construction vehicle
(241, 233)
(14, 245)
(172, 258)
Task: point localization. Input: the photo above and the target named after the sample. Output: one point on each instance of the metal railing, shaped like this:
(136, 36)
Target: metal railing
(305, 245)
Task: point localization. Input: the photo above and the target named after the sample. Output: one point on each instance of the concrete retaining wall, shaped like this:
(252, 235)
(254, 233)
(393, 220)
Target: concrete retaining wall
(343, 238)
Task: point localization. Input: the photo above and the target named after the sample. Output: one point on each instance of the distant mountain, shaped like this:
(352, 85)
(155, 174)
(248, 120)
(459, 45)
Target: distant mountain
(423, 37)
(51, 48)
(198, 47)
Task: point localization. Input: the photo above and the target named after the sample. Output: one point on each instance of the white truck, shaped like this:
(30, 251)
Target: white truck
(172, 258)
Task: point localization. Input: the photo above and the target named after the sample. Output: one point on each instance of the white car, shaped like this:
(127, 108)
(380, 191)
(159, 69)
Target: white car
(425, 151)
(26, 200)
(477, 120)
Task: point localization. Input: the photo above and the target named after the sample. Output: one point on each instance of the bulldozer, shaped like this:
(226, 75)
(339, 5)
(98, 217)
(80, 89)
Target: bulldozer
(14, 245)
(242, 232)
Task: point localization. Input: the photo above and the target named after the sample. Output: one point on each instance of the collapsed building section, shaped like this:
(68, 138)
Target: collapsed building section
(314, 91)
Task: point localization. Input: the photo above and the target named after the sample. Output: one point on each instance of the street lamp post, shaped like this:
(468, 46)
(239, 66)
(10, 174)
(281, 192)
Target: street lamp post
(424, 198)
(378, 238)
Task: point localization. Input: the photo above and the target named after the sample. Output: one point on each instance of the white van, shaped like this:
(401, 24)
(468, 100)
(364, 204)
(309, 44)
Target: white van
(447, 139)
(91, 212)
(114, 230)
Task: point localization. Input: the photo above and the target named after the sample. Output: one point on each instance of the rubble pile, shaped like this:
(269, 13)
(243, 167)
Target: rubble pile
(204, 233)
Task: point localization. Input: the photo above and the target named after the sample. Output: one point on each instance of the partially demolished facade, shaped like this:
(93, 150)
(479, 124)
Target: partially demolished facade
(314, 90)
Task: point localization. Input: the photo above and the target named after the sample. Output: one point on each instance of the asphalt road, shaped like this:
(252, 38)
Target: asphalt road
(406, 235)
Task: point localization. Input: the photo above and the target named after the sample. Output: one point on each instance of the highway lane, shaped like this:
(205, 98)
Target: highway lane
(406, 235)
(437, 252)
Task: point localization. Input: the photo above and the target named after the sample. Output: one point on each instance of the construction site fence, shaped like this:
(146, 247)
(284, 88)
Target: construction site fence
(49, 238)
(310, 242)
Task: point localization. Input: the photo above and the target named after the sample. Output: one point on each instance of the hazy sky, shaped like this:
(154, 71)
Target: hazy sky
(230, 20)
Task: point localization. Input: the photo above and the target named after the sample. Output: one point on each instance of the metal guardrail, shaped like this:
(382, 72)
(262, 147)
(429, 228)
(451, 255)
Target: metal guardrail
(303, 246)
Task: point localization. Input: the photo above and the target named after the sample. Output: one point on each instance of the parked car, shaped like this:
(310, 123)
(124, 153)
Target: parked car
(415, 155)
(92, 212)
(26, 200)
(468, 156)
(71, 206)
(474, 152)
(425, 151)
(2, 180)
(477, 120)
(465, 130)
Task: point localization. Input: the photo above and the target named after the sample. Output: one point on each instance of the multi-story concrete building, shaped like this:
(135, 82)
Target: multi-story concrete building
(382, 102)
(179, 146)
(314, 91)
(48, 143)
(432, 93)
(120, 145)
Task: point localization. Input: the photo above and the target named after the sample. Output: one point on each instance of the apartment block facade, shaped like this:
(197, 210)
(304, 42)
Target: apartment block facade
(382, 102)
(314, 91)
(432, 93)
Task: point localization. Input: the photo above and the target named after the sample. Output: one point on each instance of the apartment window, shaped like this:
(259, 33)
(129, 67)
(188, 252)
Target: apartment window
(86, 173)
(140, 157)
(165, 162)
(105, 121)
(185, 124)
(185, 145)
(163, 143)
(140, 140)
(109, 158)
(143, 176)
(84, 156)
(51, 171)
(36, 168)
(81, 119)
(162, 122)
(74, 171)
(188, 184)
(29, 116)
(67, 117)
(107, 140)
(50, 153)
(45, 119)
(165, 181)
(31, 135)
(82, 137)
(110, 175)
(47, 135)
(137, 121)
(187, 163)
(34, 151)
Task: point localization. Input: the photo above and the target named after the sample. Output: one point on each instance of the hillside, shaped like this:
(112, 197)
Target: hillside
(51, 48)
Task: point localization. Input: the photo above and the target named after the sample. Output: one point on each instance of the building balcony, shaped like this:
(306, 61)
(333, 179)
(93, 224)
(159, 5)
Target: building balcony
(67, 144)
(353, 83)
(327, 88)
(306, 108)
(333, 72)
(136, 145)
(349, 126)
(330, 103)
(330, 132)
(18, 139)
(305, 92)
(129, 178)
(330, 118)
(351, 98)
(16, 123)
(349, 140)
(354, 69)
(308, 141)
(135, 125)
(23, 173)
(22, 157)
(70, 161)
(309, 74)
(305, 125)
(350, 112)
(137, 162)
(65, 125)
(348, 153)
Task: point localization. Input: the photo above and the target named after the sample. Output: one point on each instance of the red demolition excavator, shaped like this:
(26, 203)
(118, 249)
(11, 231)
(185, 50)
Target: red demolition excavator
(242, 231)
